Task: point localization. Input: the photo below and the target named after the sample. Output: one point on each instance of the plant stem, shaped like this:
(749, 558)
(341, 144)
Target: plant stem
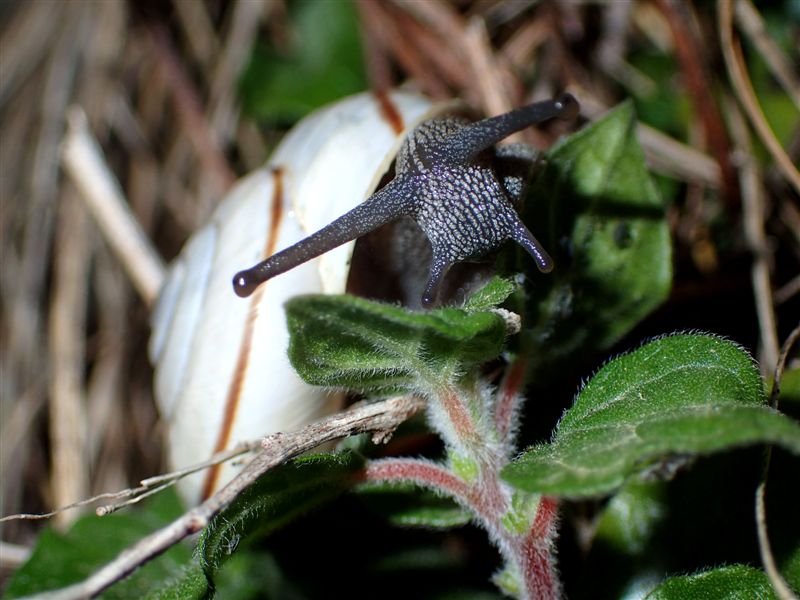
(539, 568)
(508, 398)
(523, 534)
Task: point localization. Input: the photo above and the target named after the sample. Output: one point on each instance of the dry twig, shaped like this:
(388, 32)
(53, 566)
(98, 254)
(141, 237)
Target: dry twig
(754, 210)
(380, 418)
(779, 584)
(751, 23)
(69, 477)
(697, 80)
(145, 488)
(84, 162)
(734, 61)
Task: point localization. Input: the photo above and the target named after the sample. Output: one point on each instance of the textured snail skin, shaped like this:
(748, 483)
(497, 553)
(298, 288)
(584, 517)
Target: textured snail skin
(444, 182)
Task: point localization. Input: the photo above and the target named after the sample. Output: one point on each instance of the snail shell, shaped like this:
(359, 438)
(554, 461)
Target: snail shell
(221, 371)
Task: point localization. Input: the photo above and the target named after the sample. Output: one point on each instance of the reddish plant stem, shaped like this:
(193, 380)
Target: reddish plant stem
(439, 479)
(538, 573)
(538, 568)
(486, 496)
(696, 73)
(545, 517)
(491, 494)
(422, 473)
(508, 397)
(459, 415)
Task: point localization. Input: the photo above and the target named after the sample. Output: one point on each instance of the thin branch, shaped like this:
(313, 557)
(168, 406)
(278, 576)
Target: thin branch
(84, 163)
(613, 47)
(783, 357)
(737, 72)
(751, 23)
(698, 83)
(447, 24)
(753, 205)
(409, 55)
(218, 458)
(145, 487)
(521, 47)
(67, 340)
(486, 71)
(102, 511)
(198, 28)
(236, 49)
(787, 290)
(21, 43)
(375, 50)
(779, 584)
(380, 418)
(188, 110)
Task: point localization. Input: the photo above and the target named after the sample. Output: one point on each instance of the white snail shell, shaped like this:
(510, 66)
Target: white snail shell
(221, 371)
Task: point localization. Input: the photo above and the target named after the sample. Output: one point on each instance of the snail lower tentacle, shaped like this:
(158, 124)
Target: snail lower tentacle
(439, 268)
(524, 238)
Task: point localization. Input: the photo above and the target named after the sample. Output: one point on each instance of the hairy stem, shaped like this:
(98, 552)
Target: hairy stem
(523, 531)
(508, 399)
(538, 569)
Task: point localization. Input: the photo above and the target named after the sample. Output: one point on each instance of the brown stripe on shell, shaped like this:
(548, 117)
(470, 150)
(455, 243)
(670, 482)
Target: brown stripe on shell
(240, 371)
(390, 112)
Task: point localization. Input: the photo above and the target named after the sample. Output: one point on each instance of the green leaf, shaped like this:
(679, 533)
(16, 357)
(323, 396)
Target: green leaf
(675, 397)
(406, 505)
(316, 65)
(60, 559)
(254, 575)
(599, 213)
(631, 518)
(790, 568)
(279, 497)
(790, 388)
(186, 584)
(349, 342)
(734, 582)
(490, 295)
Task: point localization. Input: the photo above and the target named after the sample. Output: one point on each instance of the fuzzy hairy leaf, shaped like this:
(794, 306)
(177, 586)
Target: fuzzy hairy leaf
(599, 213)
(673, 398)
(349, 342)
(490, 295)
(734, 582)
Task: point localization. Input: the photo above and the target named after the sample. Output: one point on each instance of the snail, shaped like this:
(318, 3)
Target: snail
(221, 371)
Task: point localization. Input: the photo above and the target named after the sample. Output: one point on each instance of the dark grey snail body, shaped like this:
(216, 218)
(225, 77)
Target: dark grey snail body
(444, 183)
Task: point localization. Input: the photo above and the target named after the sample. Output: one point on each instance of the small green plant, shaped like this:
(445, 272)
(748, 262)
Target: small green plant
(640, 418)
(673, 398)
